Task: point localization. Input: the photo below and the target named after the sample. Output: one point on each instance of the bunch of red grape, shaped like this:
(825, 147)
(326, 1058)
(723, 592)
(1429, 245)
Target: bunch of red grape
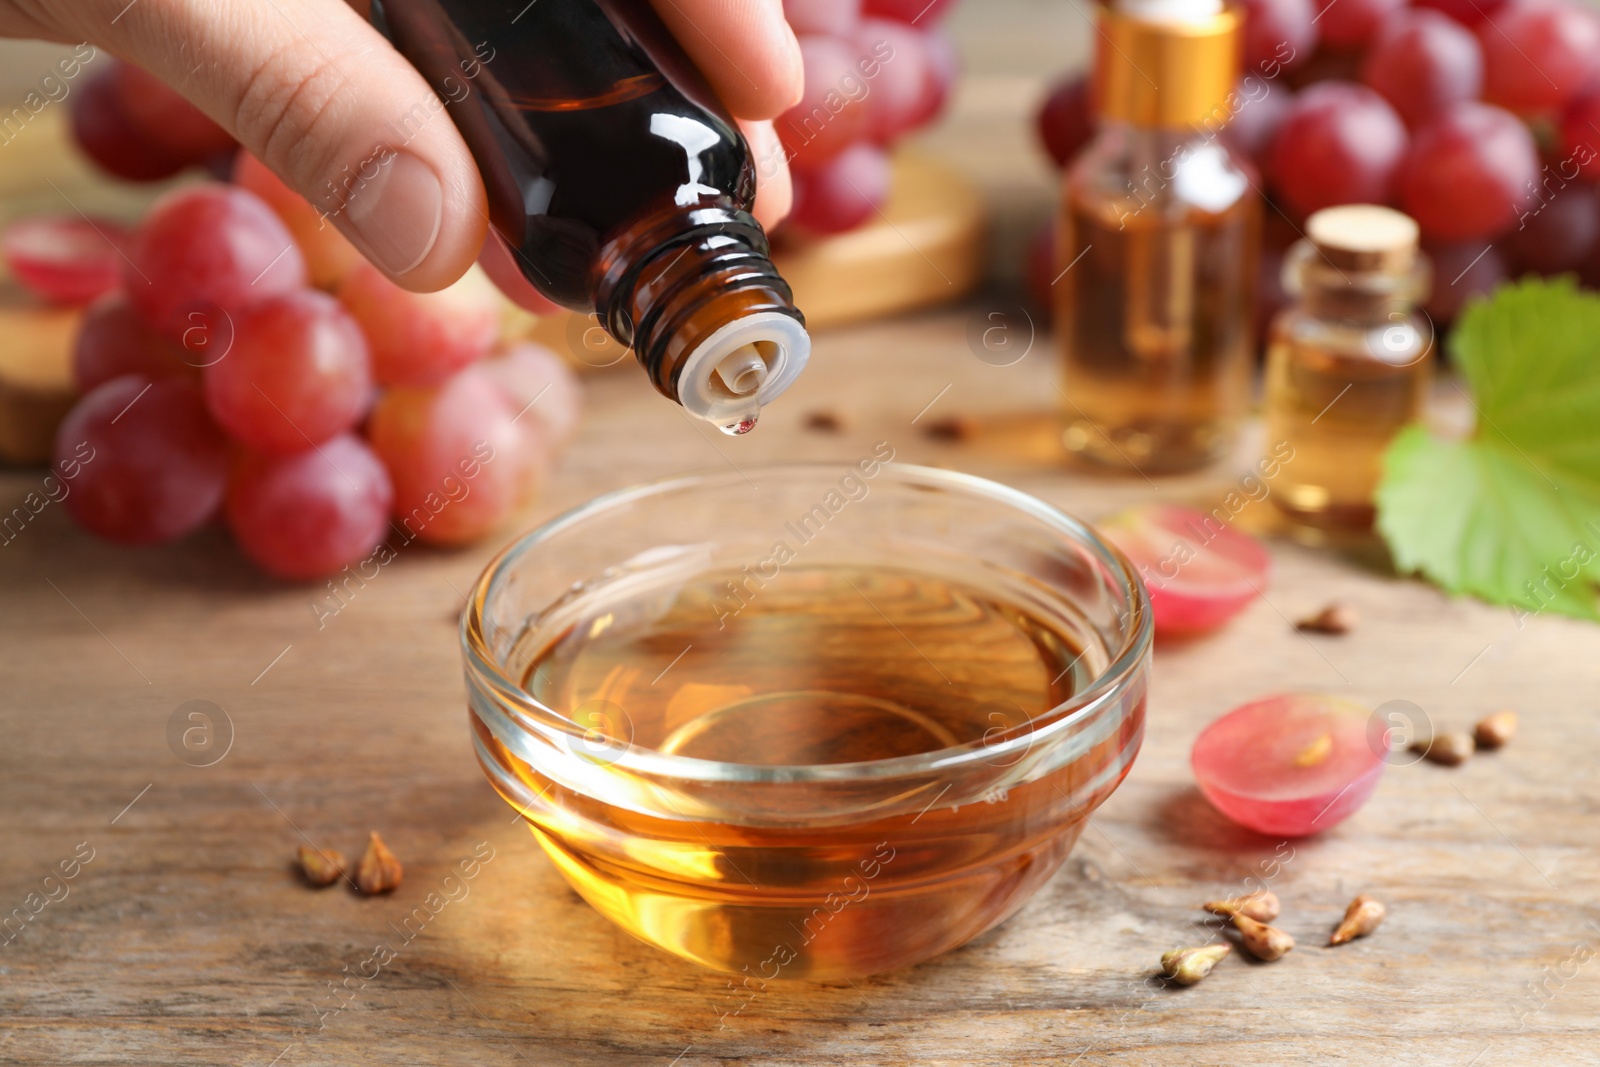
(874, 71)
(1479, 118)
(246, 361)
(135, 127)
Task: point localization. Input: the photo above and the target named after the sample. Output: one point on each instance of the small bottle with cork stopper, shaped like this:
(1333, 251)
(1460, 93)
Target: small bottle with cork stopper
(1349, 363)
(619, 183)
(1157, 245)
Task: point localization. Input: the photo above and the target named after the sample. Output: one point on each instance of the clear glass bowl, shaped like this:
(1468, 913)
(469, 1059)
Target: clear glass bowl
(778, 869)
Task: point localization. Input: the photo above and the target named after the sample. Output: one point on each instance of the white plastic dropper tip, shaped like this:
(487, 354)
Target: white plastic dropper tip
(743, 370)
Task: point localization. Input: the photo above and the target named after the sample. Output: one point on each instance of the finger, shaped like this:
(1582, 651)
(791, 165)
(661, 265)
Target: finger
(318, 95)
(745, 49)
(500, 263)
(774, 190)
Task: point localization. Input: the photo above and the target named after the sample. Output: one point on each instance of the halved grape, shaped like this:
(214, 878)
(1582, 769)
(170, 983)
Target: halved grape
(461, 459)
(329, 254)
(421, 339)
(167, 119)
(115, 340)
(832, 114)
(1341, 143)
(203, 255)
(541, 387)
(845, 192)
(65, 259)
(1470, 173)
(298, 373)
(1064, 121)
(1423, 62)
(309, 514)
(1289, 765)
(1538, 54)
(151, 465)
(1199, 569)
(107, 134)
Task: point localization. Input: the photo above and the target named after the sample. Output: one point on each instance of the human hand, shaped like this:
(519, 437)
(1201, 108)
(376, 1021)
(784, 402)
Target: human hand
(308, 86)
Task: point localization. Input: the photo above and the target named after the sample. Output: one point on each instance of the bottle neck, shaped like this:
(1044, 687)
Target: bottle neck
(691, 289)
(1347, 294)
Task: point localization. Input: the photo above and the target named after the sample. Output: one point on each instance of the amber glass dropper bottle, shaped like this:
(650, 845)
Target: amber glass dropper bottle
(1157, 245)
(620, 183)
(1349, 364)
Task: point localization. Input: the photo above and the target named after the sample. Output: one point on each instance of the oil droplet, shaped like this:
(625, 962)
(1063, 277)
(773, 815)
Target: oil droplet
(739, 427)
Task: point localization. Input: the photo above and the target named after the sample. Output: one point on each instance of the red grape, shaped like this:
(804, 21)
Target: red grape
(421, 339)
(203, 255)
(154, 466)
(1469, 173)
(899, 96)
(1278, 34)
(1064, 121)
(1200, 570)
(1423, 62)
(846, 192)
(166, 119)
(541, 387)
(918, 12)
(1350, 24)
(1340, 144)
(1466, 12)
(461, 460)
(114, 340)
(1263, 106)
(329, 254)
(109, 137)
(1558, 235)
(1537, 54)
(64, 259)
(309, 514)
(1461, 271)
(298, 373)
(1580, 131)
(1289, 765)
(833, 18)
(832, 114)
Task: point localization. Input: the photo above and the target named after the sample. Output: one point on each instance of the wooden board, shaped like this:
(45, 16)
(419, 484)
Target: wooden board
(187, 939)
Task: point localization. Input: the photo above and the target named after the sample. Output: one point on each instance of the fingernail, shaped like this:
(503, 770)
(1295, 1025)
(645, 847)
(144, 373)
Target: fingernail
(396, 215)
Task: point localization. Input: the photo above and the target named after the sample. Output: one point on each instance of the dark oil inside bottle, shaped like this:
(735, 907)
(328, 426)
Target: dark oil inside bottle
(583, 116)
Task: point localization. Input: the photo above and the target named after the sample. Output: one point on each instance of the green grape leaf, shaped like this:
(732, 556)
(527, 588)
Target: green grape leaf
(1512, 514)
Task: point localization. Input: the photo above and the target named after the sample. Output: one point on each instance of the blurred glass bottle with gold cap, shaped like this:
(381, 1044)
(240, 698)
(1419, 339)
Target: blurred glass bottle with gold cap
(1158, 237)
(1349, 364)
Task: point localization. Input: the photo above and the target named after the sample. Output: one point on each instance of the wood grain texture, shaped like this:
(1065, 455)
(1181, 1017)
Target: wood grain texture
(189, 939)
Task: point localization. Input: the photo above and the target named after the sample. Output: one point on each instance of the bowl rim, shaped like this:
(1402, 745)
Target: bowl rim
(1098, 697)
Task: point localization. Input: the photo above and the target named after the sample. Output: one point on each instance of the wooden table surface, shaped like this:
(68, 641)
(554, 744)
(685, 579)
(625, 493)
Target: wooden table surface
(187, 938)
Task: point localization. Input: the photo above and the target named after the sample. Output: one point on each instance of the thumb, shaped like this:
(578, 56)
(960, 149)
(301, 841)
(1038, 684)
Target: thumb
(322, 98)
